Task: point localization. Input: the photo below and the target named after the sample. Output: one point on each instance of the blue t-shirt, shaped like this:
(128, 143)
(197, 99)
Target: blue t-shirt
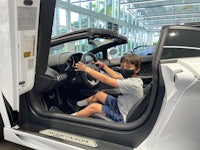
(131, 90)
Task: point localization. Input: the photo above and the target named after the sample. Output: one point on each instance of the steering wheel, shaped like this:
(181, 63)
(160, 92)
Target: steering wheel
(89, 59)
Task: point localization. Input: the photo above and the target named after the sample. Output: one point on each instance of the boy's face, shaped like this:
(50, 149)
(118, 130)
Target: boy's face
(129, 66)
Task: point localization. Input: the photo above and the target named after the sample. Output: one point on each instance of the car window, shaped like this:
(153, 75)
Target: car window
(99, 55)
(179, 44)
(116, 52)
(71, 47)
(144, 50)
(141, 48)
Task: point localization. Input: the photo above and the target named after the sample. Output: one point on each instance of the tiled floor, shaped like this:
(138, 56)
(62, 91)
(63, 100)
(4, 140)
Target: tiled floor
(4, 145)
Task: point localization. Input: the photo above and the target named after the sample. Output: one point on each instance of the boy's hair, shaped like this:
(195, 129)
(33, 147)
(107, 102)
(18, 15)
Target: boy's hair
(132, 59)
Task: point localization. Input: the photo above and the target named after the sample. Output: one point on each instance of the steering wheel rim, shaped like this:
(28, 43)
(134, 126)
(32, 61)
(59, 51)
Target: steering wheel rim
(87, 59)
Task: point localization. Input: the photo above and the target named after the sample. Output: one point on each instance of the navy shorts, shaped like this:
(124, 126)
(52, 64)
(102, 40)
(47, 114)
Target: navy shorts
(111, 110)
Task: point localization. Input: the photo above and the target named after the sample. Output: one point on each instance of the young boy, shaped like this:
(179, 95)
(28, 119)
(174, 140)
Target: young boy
(130, 86)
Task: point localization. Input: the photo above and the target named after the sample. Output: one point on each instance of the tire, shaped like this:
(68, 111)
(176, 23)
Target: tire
(1, 128)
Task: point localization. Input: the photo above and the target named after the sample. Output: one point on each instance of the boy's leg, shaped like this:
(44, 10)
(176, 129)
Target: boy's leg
(89, 110)
(99, 96)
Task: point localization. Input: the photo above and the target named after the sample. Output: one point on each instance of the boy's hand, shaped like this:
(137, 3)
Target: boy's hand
(80, 66)
(99, 63)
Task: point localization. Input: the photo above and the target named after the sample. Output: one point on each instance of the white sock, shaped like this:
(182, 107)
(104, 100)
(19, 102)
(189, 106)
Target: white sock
(74, 114)
(82, 103)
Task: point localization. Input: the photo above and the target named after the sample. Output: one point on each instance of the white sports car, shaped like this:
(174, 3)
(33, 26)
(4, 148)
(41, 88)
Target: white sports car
(39, 87)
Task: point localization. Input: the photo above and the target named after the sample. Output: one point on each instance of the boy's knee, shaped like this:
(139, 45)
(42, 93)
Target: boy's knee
(98, 94)
(94, 108)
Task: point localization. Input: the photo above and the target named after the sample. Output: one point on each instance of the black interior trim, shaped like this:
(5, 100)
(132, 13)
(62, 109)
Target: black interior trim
(1, 128)
(47, 8)
(140, 107)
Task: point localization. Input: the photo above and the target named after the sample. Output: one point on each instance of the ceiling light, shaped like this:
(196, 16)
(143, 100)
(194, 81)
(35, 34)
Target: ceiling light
(137, 8)
(158, 25)
(165, 19)
(141, 2)
(82, 1)
(169, 15)
(185, 4)
(172, 34)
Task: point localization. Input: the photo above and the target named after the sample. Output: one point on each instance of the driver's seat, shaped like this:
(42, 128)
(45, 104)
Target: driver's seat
(136, 111)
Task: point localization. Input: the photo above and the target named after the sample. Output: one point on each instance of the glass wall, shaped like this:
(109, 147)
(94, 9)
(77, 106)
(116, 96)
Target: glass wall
(77, 14)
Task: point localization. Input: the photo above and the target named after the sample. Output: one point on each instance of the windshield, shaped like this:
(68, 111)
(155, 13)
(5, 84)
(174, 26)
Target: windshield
(82, 45)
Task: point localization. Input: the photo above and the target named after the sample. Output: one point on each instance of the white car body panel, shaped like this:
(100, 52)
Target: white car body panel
(19, 31)
(28, 18)
(3, 111)
(177, 127)
(34, 141)
(8, 59)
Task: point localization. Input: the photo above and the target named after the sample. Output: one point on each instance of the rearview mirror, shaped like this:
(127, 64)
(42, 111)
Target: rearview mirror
(94, 42)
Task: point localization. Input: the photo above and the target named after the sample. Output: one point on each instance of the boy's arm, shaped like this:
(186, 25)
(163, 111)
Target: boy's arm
(109, 71)
(97, 75)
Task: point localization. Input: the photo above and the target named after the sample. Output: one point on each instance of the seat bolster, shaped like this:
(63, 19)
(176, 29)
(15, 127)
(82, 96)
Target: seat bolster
(101, 116)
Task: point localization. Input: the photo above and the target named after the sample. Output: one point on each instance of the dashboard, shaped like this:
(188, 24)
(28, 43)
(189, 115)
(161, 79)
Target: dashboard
(64, 62)
(59, 71)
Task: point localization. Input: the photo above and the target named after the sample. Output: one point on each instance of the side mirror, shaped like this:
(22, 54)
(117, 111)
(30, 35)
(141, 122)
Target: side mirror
(113, 51)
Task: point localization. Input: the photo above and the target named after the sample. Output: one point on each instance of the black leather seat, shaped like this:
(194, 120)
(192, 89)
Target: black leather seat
(136, 111)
